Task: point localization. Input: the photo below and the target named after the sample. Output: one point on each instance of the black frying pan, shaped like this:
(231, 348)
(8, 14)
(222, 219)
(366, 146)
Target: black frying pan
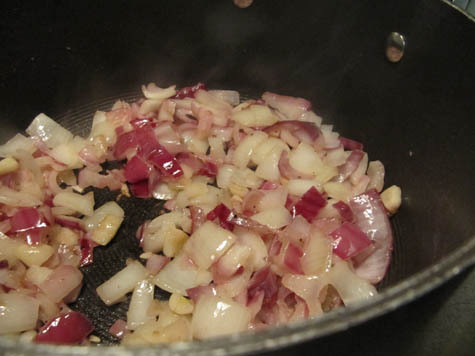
(70, 58)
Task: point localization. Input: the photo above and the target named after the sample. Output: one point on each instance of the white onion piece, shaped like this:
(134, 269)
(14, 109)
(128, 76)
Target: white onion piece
(181, 274)
(7, 249)
(15, 143)
(261, 153)
(317, 256)
(230, 96)
(274, 218)
(109, 208)
(376, 176)
(38, 275)
(103, 127)
(215, 316)
(212, 101)
(235, 286)
(141, 300)
(304, 159)
(258, 257)
(48, 308)
(152, 91)
(123, 282)
(18, 312)
(310, 116)
(49, 131)
(149, 106)
(179, 218)
(300, 186)
(243, 152)
(13, 198)
(349, 286)
(68, 152)
(255, 116)
(61, 282)
(272, 199)
(360, 170)
(308, 288)
(208, 243)
(34, 255)
(83, 204)
(268, 169)
(224, 176)
(336, 157)
(232, 260)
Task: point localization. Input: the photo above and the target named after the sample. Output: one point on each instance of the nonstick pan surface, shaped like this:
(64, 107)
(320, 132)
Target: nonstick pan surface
(69, 60)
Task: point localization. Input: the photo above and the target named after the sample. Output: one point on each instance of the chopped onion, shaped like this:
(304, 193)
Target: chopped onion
(243, 152)
(230, 96)
(216, 316)
(308, 288)
(291, 107)
(140, 303)
(15, 143)
(317, 257)
(181, 274)
(371, 218)
(350, 145)
(83, 204)
(151, 91)
(309, 204)
(13, 198)
(66, 329)
(349, 286)
(207, 244)
(274, 218)
(49, 131)
(18, 312)
(376, 176)
(61, 282)
(349, 241)
(123, 282)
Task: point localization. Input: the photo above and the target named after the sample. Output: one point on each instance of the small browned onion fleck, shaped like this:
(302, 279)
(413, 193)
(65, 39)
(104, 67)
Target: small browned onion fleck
(242, 3)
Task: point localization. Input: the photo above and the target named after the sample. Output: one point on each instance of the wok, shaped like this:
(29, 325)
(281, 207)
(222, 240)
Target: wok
(70, 58)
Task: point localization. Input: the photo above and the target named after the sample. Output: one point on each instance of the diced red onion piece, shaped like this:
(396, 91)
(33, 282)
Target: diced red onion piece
(87, 254)
(351, 145)
(305, 131)
(69, 222)
(118, 329)
(197, 217)
(136, 170)
(61, 282)
(265, 281)
(350, 166)
(287, 171)
(165, 162)
(224, 215)
(140, 189)
(269, 185)
(189, 92)
(372, 219)
(344, 210)
(292, 259)
(155, 263)
(66, 329)
(26, 219)
(349, 241)
(290, 106)
(196, 292)
(309, 204)
(3, 264)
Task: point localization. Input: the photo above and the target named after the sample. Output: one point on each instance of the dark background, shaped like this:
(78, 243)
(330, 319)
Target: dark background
(415, 116)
